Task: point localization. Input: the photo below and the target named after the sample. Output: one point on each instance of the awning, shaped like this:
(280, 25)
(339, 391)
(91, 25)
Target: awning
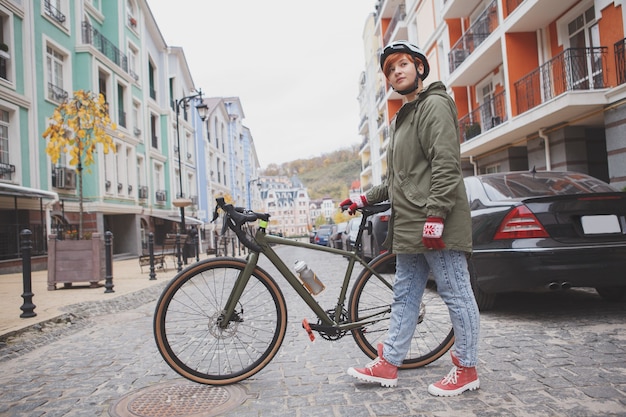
(26, 192)
(176, 218)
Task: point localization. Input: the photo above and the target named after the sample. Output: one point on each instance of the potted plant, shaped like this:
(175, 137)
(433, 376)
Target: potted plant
(77, 127)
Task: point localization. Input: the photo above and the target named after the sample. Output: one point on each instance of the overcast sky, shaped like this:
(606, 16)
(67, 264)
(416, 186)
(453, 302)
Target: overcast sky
(294, 64)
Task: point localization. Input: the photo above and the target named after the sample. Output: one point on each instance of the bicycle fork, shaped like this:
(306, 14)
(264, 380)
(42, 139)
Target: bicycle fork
(228, 313)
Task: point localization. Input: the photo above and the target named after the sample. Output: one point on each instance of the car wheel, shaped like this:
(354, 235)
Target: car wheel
(484, 300)
(612, 293)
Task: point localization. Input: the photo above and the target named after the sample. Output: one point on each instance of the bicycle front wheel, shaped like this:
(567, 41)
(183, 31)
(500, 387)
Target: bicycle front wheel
(188, 316)
(371, 299)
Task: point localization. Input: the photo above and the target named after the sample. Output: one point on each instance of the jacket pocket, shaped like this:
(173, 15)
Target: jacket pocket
(413, 193)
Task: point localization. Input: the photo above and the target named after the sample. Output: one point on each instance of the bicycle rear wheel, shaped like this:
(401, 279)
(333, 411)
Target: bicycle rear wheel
(372, 296)
(188, 313)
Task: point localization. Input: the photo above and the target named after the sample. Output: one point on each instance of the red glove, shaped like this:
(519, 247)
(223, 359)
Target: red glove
(431, 236)
(353, 203)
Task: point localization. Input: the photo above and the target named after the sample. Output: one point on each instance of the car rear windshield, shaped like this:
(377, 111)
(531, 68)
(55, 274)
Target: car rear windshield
(527, 184)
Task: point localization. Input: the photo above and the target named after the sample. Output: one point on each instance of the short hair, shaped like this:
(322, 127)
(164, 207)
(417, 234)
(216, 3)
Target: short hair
(394, 58)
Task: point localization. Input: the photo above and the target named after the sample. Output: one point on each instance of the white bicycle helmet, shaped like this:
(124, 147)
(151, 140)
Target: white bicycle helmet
(409, 48)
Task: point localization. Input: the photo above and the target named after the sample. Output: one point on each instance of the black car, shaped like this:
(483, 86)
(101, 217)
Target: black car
(530, 230)
(554, 230)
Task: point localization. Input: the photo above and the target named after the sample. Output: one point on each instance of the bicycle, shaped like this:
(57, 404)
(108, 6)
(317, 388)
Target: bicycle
(222, 320)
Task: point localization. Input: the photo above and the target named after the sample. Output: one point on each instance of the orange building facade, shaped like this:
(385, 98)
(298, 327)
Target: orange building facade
(538, 83)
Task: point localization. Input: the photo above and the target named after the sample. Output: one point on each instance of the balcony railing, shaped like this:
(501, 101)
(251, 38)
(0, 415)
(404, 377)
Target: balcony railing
(91, 36)
(398, 16)
(490, 114)
(56, 93)
(620, 61)
(573, 69)
(480, 30)
(53, 12)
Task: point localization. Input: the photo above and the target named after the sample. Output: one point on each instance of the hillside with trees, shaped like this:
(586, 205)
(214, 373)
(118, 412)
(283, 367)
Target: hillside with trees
(328, 175)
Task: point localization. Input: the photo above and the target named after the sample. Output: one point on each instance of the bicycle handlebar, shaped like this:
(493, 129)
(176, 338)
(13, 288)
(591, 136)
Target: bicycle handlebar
(237, 216)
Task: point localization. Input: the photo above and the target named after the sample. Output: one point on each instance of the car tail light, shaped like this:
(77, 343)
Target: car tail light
(384, 218)
(520, 223)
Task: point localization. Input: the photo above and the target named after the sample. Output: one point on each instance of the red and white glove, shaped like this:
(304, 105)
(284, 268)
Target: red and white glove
(431, 236)
(353, 203)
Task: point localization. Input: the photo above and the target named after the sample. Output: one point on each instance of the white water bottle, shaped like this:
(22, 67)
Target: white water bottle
(310, 281)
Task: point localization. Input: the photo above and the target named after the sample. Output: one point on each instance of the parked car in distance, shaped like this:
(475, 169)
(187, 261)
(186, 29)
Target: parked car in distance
(334, 240)
(554, 230)
(322, 234)
(348, 238)
(374, 235)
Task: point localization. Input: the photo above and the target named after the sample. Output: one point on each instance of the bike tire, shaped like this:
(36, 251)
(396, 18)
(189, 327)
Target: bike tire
(185, 322)
(433, 335)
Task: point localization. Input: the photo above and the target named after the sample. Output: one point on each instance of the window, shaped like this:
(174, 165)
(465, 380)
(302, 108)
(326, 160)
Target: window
(133, 62)
(121, 108)
(151, 80)
(5, 56)
(583, 33)
(137, 118)
(55, 62)
(5, 167)
(153, 131)
(131, 11)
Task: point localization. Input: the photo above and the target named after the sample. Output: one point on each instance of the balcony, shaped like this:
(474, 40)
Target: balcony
(53, 12)
(489, 115)
(478, 32)
(91, 36)
(571, 70)
(398, 16)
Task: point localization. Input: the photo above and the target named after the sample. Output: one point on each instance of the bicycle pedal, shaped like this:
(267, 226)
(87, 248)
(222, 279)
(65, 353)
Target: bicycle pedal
(307, 327)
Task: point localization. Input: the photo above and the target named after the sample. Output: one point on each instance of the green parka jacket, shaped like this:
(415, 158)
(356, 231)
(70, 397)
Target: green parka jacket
(424, 175)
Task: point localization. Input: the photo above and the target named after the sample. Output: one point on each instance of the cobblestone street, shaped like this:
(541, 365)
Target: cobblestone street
(541, 354)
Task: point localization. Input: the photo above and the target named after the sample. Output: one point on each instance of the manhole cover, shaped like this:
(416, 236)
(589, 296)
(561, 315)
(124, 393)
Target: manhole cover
(179, 399)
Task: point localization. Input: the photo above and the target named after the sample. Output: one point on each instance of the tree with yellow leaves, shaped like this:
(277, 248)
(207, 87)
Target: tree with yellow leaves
(77, 127)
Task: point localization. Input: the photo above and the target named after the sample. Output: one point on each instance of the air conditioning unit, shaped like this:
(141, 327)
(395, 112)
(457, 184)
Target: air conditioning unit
(161, 196)
(64, 178)
(143, 192)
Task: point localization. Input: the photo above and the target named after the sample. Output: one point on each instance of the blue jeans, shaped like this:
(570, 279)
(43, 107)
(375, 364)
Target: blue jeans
(451, 275)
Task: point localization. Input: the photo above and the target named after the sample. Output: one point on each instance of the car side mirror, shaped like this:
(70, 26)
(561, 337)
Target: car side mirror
(369, 227)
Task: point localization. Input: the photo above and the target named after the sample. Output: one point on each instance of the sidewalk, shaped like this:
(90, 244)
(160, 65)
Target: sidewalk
(127, 278)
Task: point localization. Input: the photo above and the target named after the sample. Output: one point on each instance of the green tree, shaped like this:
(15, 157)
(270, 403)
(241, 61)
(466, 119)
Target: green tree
(77, 127)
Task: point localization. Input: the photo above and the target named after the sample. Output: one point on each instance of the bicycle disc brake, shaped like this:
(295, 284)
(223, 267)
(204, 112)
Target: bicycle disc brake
(221, 333)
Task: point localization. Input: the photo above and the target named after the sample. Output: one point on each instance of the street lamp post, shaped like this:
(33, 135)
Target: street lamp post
(250, 190)
(180, 200)
(202, 108)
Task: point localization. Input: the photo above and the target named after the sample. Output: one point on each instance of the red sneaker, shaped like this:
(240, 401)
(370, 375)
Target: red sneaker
(458, 380)
(379, 370)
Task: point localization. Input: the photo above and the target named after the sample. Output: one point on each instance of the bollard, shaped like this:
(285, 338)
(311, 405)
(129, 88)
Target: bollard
(232, 244)
(28, 308)
(151, 251)
(178, 253)
(196, 245)
(108, 257)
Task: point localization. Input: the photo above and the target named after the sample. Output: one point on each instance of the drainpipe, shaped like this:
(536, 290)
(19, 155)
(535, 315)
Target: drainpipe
(474, 164)
(546, 142)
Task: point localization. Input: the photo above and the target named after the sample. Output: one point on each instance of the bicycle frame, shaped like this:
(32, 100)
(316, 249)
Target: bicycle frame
(265, 240)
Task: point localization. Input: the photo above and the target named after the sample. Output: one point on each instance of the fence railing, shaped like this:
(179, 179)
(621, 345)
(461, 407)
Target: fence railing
(573, 69)
(620, 61)
(91, 36)
(490, 114)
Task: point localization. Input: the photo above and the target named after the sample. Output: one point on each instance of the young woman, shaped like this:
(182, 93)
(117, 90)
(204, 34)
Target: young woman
(430, 227)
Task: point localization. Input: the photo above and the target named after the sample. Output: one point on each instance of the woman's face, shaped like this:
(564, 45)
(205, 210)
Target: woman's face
(402, 74)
